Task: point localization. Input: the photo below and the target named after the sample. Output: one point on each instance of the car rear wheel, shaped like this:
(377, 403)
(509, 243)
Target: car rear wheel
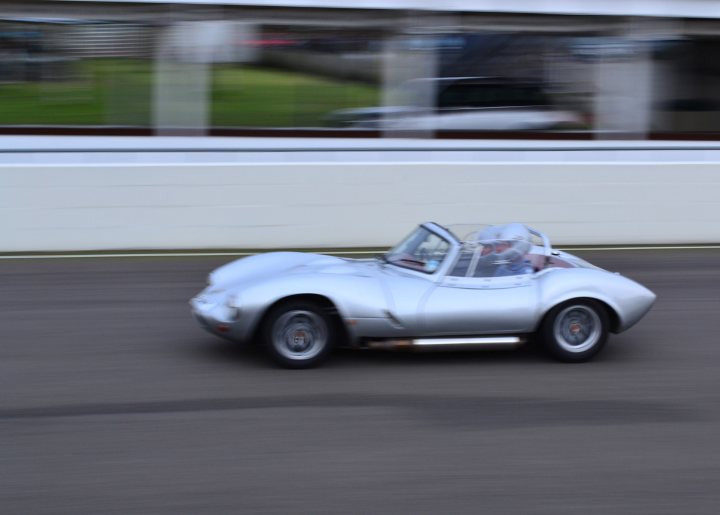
(575, 331)
(298, 334)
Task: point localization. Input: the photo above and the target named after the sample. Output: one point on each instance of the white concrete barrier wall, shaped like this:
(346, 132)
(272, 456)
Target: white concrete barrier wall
(88, 207)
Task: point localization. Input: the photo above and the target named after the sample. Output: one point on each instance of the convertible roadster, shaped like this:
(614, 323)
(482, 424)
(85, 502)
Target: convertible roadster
(441, 287)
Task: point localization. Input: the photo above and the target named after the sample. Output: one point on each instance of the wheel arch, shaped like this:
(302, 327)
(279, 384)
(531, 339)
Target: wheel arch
(324, 302)
(613, 316)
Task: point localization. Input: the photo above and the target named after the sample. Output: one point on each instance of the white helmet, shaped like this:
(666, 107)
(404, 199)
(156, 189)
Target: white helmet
(510, 242)
(489, 233)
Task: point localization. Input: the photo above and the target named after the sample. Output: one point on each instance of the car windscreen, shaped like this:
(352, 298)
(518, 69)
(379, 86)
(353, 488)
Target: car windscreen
(422, 250)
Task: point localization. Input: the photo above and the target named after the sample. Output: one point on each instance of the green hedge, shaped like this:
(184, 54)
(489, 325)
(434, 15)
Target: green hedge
(119, 92)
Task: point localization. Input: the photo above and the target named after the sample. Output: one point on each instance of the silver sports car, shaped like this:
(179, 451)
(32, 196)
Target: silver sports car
(441, 287)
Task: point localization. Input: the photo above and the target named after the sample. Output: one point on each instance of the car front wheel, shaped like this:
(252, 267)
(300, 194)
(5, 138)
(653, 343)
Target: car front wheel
(298, 334)
(575, 331)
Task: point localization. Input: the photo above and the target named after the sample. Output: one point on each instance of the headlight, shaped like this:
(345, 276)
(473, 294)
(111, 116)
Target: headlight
(232, 306)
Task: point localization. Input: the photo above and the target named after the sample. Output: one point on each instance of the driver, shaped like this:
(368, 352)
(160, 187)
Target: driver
(509, 245)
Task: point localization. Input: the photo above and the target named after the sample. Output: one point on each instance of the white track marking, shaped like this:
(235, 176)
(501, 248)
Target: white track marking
(338, 253)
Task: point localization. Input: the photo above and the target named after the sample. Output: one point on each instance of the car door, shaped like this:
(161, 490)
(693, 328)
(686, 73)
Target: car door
(462, 305)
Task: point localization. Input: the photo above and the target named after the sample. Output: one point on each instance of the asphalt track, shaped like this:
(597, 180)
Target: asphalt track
(113, 401)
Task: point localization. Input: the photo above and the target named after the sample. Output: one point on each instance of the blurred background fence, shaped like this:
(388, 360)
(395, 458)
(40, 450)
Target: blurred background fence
(473, 69)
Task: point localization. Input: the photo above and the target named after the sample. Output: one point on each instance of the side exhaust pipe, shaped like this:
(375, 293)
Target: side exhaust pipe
(484, 342)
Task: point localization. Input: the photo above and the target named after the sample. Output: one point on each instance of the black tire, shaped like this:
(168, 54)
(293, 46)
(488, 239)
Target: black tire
(298, 334)
(575, 331)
